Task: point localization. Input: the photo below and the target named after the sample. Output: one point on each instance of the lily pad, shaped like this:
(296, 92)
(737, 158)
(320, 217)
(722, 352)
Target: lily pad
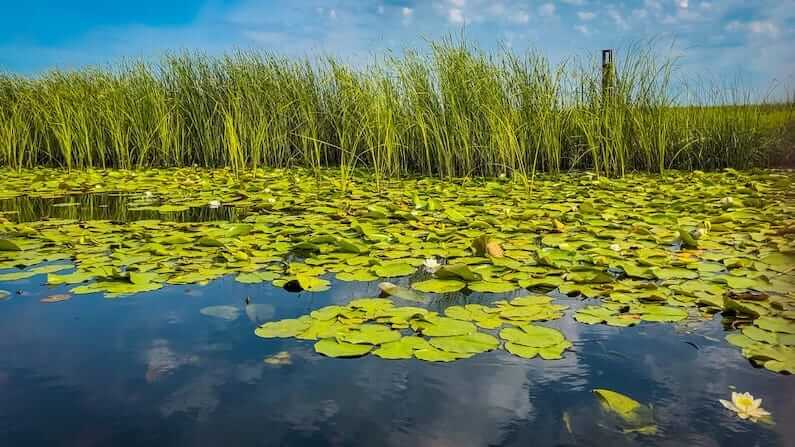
(439, 285)
(284, 328)
(333, 348)
(470, 343)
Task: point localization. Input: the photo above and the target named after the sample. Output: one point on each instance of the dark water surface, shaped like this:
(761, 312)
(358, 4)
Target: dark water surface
(152, 370)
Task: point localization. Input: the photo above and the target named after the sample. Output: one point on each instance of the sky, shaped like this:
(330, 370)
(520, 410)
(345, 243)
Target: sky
(744, 41)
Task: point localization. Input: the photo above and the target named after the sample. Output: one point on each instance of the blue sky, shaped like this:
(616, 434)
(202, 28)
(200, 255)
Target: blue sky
(716, 39)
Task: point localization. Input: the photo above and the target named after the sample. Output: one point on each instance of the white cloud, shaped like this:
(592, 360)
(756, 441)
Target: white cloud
(586, 15)
(455, 15)
(521, 17)
(617, 18)
(407, 12)
(546, 10)
(582, 29)
(762, 27)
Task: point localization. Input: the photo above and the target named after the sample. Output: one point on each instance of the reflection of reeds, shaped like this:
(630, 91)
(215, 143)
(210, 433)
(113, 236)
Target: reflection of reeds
(453, 112)
(105, 207)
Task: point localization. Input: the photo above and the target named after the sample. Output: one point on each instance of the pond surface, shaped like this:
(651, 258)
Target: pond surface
(152, 370)
(170, 356)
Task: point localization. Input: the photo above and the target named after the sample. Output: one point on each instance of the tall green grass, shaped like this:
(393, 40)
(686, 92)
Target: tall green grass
(451, 111)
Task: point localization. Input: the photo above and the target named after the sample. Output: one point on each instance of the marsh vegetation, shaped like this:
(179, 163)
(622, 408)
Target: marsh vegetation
(450, 111)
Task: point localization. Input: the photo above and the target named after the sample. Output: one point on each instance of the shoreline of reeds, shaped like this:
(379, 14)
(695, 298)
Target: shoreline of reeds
(455, 111)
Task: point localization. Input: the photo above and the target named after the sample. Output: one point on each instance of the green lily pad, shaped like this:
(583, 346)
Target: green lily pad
(457, 272)
(393, 270)
(333, 348)
(521, 350)
(284, 328)
(401, 349)
(432, 354)
(533, 336)
(446, 327)
(776, 324)
(492, 287)
(357, 275)
(401, 292)
(470, 343)
(372, 334)
(8, 245)
(439, 286)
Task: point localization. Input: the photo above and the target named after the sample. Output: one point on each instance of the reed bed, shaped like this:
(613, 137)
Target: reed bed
(451, 111)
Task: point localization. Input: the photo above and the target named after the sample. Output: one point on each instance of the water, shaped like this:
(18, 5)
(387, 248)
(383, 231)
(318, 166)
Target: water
(152, 370)
(103, 206)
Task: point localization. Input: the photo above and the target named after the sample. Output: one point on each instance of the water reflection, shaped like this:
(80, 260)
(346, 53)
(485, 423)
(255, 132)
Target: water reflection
(105, 206)
(152, 370)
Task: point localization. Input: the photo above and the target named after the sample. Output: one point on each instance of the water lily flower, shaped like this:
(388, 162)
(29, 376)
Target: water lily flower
(215, 204)
(745, 406)
(431, 265)
(615, 247)
(148, 194)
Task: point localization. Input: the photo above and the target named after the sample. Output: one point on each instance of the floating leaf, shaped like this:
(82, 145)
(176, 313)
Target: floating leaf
(439, 285)
(284, 328)
(372, 334)
(312, 284)
(401, 349)
(333, 348)
(7, 245)
(533, 336)
(521, 350)
(432, 354)
(357, 275)
(445, 327)
(457, 271)
(492, 287)
(56, 298)
(401, 292)
(470, 343)
(392, 270)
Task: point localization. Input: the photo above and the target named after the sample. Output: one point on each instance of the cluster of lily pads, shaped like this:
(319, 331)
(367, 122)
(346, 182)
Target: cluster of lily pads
(649, 248)
(376, 325)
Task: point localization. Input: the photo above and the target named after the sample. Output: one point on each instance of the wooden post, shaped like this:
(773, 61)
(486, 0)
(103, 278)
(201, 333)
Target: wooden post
(608, 74)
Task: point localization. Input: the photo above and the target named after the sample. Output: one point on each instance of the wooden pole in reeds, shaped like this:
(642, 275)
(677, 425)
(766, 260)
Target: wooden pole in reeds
(608, 74)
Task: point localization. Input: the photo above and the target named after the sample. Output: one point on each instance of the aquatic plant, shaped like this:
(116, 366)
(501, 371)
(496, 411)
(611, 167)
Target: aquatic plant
(451, 111)
(745, 406)
(675, 248)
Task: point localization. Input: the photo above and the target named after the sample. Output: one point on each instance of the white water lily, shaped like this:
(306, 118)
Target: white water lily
(615, 247)
(214, 204)
(148, 194)
(431, 265)
(745, 406)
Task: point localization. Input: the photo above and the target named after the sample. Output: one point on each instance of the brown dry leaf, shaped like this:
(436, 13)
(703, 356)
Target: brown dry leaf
(494, 249)
(57, 298)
